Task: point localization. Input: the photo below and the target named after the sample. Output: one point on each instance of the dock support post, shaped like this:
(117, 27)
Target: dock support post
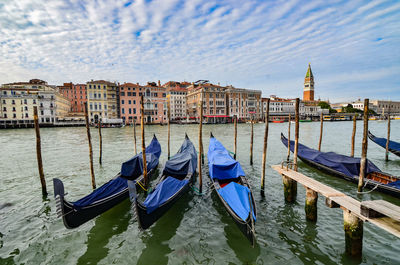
(288, 149)
(100, 141)
(364, 147)
(90, 147)
(320, 133)
(311, 205)
(388, 139)
(39, 152)
(251, 141)
(235, 143)
(169, 118)
(201, 142)
(143, 141)
(290, 185)
(353, 136)
(264, 157)
(353, 231)
(134, 134)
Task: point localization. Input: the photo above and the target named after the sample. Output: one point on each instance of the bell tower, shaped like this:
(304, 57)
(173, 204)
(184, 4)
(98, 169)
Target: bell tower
(308, 91)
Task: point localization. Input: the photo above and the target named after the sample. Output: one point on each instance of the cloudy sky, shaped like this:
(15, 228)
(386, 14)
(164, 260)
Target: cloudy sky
(353, 46)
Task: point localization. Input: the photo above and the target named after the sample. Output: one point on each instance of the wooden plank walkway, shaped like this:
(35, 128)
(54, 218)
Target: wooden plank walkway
(335, 198)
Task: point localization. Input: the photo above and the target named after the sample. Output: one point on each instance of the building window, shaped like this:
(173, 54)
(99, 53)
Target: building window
(130, 111)
(134, 94)
(122, 101)
(4, 109)
(123, 111)
(129, 94)
(122, 94)
(129, 102)
(105, 95)
(13, 108)
(14, 115)
(134, 111)
(26, 108)
(25, 101)
(13, 102)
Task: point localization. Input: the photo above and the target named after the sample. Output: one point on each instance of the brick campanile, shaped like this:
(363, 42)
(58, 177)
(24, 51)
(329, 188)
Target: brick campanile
(308, 91)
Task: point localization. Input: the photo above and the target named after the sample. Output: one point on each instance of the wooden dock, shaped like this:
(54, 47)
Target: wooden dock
(380, 213)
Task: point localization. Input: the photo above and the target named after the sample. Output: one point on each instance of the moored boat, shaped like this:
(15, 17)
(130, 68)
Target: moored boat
(109, 194)
(232, 188)
(174, 182)
(394, 147)
(348, 168)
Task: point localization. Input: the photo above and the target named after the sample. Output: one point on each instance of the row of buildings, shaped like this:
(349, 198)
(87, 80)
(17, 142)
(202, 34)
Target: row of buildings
(120, 103)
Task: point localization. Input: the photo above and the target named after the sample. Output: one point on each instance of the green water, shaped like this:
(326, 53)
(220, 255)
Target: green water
(197, 230)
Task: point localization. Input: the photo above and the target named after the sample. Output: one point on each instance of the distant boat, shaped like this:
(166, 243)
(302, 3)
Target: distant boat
(109, 194)
(305, 120)
(232, 188)
(394, 147)
(174, 182)
(347, 167)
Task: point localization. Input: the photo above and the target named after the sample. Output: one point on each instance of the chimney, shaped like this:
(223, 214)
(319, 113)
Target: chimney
(159, 84)
(137, 83)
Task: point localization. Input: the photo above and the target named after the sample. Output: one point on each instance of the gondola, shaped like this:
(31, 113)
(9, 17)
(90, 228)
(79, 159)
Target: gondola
(232, 188)
(348, 168)
(174, 182)
(394, 147)
(109, 194)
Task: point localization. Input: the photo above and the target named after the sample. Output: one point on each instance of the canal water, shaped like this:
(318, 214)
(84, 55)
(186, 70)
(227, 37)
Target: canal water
(197, 230)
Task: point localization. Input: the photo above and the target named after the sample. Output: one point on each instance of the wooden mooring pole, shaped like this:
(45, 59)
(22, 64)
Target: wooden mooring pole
(290, 185)
(320, 133)
(311, 205)
(353, 233)
(353, 135)
(388, 139)
(364, 147)
(251, 141)
(143, 141)
(235, 140)
(288, 139)
(264, 157)
(134, 134)
(90, 146)
(201, 143)
(39, 152)
(100, 141)
(169, 118)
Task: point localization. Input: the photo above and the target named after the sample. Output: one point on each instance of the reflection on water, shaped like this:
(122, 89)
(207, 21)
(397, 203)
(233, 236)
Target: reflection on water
(156, 240)
(109, 224)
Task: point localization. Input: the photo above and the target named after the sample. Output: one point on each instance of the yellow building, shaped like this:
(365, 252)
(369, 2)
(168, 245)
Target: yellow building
(102, 100)
(63, 105)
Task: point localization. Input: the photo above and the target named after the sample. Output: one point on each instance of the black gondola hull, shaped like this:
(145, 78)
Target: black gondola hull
(72, 217)
(370, 184)
(246, 227)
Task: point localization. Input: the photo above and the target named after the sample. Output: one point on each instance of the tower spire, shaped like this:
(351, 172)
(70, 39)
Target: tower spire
(308, 90)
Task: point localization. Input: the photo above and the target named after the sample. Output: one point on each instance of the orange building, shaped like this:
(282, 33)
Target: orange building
(308, 91)
(76, 94)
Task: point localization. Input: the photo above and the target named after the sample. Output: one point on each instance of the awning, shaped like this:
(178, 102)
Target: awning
(216, 116)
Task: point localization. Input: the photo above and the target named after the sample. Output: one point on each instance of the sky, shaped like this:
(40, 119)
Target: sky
(353, 46)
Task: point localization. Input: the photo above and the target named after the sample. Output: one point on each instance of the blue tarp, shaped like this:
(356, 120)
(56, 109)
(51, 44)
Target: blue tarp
(395, 184)
(350, 166)
(112, 187)
(164, 190)
(238, 198)
(382, 142)
(133, 168)
(183, 162)
(221, 164)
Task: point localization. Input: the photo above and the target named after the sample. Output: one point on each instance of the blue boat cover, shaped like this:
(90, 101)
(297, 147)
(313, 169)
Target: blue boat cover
(164, 190)
(133, 168)
(349, 166)
(108, 189)
(221, 164)
(238, 198)
(183, 162)
(382, 142)
(395, 184)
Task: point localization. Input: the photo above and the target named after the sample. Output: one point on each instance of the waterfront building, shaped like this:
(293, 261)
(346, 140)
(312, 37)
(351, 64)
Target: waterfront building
(279, 106)
(308, 90)
(102, 99)
(177, 92)
(154, 103)
(245, 104)
(76, 94)
(36, 92)
(214, 102)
